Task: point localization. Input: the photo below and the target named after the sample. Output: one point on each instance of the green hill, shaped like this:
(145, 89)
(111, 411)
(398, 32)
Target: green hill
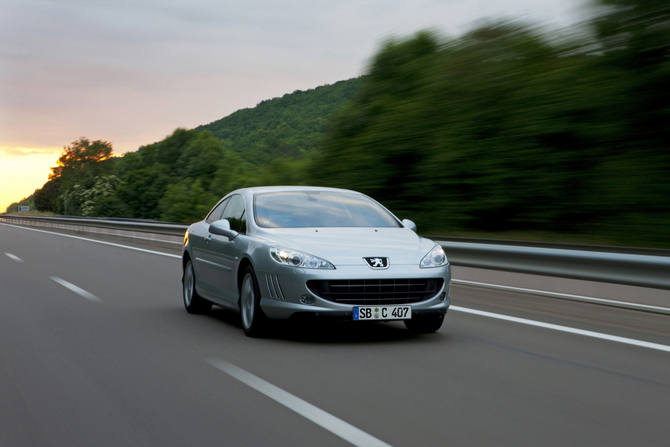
(290, 126)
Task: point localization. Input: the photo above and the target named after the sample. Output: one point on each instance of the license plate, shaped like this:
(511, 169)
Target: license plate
(382, 312)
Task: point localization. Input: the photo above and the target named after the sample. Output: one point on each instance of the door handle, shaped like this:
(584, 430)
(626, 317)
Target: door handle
(208, 238)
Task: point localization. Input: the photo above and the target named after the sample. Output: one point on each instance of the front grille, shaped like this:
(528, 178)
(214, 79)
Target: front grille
(376, 291)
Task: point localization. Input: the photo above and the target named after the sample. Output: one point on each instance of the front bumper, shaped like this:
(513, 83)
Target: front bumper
(282, 288)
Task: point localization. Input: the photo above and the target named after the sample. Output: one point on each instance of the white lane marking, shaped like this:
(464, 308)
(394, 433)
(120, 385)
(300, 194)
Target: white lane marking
(556, 327)
(560, 295)
(99, 242)
(14, 257)
(615, 338)
(335, 425)
(79, 291)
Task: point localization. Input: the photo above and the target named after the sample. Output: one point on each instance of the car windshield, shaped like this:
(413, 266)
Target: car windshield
(299, 209)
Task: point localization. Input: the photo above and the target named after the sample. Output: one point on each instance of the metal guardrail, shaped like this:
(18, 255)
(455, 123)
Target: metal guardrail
(619, 268)
(171, 229)
(645, 270)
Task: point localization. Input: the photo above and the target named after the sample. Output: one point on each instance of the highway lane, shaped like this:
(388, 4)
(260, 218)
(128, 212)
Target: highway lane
(135, 369)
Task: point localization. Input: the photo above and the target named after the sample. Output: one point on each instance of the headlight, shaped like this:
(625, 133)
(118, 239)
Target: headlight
(295, 258)
(435, 258)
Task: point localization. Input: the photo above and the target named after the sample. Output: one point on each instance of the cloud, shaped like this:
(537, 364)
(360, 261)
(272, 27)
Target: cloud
(24, 152)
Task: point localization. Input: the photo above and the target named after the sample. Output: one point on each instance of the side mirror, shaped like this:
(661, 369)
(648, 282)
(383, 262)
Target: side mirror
(222, 228)
(409, 224)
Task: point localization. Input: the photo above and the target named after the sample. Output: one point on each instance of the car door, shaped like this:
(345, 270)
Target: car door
(204, 272)
(221, 254)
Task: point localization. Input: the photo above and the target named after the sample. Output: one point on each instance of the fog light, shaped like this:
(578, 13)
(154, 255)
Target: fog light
(307, 299)
(443, 296)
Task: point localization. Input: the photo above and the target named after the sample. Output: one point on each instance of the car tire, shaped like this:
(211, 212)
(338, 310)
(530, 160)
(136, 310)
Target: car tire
(254, 321)
(194, 303)
(424, 324)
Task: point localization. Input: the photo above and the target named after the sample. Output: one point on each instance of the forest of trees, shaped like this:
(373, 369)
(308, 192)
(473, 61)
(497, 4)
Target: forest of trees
(504, 129)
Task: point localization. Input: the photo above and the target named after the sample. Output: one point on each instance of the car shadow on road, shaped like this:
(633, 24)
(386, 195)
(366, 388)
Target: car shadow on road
(336, 332)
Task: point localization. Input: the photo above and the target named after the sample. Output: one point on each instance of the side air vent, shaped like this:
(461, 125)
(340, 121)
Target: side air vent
(274, 287)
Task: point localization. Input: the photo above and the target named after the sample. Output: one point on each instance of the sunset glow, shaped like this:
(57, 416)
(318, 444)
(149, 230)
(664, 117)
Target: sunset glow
(22, 171)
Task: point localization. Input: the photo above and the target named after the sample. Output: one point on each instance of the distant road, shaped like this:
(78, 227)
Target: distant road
(97, 350)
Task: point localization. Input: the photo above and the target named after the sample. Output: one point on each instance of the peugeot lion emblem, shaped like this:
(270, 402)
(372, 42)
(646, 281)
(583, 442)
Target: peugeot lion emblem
(377, 262)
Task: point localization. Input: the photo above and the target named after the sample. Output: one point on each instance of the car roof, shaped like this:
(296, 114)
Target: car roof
(264, 189)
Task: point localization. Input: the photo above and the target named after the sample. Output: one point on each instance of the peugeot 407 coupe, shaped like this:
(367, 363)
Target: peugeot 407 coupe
(303, 252)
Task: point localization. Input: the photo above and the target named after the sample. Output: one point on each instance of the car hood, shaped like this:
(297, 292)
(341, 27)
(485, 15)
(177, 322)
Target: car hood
(348, 246)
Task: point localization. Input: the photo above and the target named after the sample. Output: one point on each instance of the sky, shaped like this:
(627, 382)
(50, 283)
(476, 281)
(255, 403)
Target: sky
(131, 71)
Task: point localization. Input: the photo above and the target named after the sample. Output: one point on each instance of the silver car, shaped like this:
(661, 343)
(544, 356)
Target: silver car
(301, 252)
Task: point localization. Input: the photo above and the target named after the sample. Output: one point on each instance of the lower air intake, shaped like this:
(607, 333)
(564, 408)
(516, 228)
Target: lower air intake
(376, 291)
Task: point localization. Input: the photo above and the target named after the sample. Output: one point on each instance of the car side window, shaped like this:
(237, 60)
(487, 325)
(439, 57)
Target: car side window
(243, 223)
(235, 213)
(216, 212)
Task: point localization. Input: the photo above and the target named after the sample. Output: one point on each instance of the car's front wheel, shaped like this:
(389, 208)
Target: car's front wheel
(194, 303)
(424, 324)
(254, 321)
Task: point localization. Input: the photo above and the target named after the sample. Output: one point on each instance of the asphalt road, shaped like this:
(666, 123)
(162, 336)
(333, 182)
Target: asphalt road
(96, 349)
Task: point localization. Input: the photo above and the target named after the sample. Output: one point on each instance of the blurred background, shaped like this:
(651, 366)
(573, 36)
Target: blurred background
(509, 131)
